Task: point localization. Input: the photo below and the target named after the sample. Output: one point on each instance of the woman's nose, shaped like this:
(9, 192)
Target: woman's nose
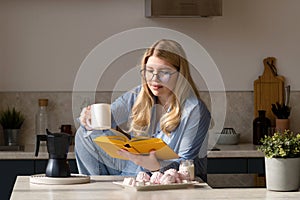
(155, 77)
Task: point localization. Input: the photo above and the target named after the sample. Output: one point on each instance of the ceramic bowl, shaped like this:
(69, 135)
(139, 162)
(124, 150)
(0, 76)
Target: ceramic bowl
(229, 139)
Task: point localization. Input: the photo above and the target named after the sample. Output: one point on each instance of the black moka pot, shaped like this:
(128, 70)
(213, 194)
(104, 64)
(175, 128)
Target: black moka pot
(58, 147)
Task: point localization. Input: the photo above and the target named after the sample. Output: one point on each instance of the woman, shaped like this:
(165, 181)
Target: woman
(167, 106)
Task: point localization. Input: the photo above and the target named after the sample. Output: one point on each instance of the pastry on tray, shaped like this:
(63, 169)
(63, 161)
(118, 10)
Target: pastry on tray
(170, 176)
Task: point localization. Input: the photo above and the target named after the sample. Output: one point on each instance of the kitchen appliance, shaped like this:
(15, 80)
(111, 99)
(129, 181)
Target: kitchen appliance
(183, 8)
(58, 147)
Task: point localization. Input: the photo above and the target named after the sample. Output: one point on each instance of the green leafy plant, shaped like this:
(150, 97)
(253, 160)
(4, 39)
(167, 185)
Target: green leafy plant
(11, 119)
(281, 145)
(281, 111)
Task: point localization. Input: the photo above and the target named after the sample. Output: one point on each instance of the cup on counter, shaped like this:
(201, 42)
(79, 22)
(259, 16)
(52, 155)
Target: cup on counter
(100, 117)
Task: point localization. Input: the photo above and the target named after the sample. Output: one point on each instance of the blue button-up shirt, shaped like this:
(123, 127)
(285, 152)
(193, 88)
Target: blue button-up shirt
(188, 140)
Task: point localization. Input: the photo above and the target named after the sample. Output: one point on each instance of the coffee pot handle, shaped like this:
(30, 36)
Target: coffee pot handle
(39, 138)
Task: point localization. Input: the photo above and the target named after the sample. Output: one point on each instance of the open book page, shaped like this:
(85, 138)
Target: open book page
(118, 133)
(141, 145)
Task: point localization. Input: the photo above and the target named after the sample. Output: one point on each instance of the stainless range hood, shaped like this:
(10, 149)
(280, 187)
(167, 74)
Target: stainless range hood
(183, 8)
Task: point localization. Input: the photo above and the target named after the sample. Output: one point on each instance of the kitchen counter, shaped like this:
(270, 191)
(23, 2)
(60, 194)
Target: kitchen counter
(29, 153)
(232, 166)
(245, 150)
(101, 187)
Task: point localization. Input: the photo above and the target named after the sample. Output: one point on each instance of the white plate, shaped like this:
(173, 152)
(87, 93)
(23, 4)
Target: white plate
(157, 186)
(73, 179)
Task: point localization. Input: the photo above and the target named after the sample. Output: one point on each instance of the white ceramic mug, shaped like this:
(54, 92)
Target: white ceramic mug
(100, 117)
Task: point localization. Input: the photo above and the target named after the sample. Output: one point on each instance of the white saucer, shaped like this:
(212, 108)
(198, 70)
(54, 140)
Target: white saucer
(73, 179)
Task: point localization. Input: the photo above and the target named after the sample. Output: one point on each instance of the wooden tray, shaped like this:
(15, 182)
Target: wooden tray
(268, 89)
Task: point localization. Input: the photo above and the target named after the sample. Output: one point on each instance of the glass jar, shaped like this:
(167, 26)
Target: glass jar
(261, 126)
(41, 118)
(187, 167)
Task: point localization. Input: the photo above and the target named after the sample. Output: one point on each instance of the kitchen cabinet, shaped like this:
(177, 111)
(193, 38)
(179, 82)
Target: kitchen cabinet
(231, 159)
(236, 172)
(235, 166)
(10, 169)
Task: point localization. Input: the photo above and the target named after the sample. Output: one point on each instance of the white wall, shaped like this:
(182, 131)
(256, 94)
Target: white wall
(44, 42)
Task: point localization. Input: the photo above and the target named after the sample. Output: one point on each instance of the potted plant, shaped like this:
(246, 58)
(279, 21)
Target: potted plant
(282, 160)
(11, 121)
(282, 113)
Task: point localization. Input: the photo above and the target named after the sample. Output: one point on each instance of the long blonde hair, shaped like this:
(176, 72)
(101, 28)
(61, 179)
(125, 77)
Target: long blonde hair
(171, 52)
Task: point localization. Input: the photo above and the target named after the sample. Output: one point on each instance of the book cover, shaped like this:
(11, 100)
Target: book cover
(138, 145)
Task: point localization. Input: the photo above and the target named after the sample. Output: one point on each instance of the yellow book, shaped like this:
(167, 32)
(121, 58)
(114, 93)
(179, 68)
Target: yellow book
(138, 145)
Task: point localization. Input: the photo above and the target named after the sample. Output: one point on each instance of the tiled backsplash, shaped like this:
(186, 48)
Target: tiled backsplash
(64, 107)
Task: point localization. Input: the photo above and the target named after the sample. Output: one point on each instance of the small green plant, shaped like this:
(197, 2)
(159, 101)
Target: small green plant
(11, 119)
(281, 111)
(281, 145)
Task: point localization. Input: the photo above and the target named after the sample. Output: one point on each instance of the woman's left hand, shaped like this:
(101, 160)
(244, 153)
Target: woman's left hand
(149, 162)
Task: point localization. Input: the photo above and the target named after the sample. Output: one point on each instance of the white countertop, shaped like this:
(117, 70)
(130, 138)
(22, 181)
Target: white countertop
(226, 151)
(243, 150)
(101, 187)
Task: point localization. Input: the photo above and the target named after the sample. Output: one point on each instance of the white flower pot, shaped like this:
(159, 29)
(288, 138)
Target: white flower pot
(282, 174)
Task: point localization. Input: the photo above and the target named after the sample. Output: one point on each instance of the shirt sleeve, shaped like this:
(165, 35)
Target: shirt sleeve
(121, 107)
(196, 129)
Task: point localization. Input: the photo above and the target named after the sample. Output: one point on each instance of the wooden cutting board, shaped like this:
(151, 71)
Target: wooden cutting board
(268, 89)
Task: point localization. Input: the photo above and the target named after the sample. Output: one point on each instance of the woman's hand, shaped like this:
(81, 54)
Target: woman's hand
(84, 116)
(149, 162)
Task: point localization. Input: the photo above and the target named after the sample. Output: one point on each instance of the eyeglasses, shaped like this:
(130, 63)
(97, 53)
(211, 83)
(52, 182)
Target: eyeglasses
(163, 76)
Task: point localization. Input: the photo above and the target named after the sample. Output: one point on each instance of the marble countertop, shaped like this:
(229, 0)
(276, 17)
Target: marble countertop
(29, 153)
(101, 187)
(245, 150)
